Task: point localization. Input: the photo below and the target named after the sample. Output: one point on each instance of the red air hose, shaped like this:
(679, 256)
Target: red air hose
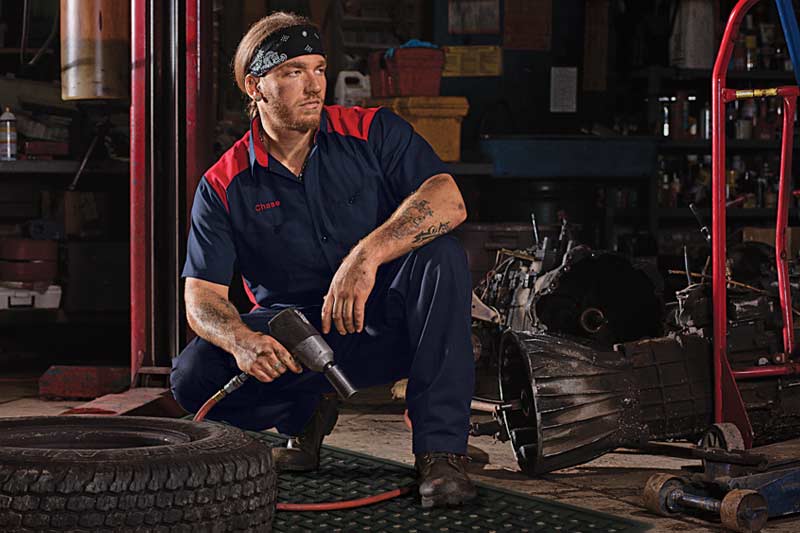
(237, 382)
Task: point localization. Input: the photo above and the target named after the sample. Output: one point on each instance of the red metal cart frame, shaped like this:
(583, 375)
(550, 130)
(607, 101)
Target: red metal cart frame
(728, 405)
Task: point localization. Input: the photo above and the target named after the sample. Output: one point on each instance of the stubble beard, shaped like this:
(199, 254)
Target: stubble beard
(283, 116)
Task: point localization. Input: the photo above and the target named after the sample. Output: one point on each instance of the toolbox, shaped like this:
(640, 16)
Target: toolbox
(20, 298)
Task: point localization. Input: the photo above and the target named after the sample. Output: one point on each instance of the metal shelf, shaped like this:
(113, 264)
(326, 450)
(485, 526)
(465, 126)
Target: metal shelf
(371, 21)
(33, 317)
(370, 46)
(705, 145)
(684, 213)
(61, 166)
(671, 73)
(471, 169)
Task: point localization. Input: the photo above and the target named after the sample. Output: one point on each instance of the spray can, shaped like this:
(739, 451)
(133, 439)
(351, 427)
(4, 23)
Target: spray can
(8, 135)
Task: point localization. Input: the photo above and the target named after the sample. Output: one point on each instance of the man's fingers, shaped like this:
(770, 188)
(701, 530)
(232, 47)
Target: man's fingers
(337, 316)
(259, 374)
(286, 358)
(347, 316)
(269, 364)
(327, 307)
(358, 313)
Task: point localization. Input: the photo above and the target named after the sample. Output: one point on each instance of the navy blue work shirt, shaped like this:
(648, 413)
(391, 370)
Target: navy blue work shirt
(288, 234)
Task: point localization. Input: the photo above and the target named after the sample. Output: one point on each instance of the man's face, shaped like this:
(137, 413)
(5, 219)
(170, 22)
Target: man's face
(294, 92)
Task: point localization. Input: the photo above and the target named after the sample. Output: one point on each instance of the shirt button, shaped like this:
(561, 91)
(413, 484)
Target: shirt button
(324, 238)
(351, 200)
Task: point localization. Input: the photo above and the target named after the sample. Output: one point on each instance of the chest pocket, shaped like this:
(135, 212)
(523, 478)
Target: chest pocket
(261, 246)
(352, 213)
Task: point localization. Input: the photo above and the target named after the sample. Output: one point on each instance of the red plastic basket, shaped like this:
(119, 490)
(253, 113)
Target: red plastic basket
(409, 72)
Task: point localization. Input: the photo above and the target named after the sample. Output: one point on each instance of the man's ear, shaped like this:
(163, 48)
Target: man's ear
(251, 85)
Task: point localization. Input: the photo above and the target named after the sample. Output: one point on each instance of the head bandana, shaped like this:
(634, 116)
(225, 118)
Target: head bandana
(283, 45)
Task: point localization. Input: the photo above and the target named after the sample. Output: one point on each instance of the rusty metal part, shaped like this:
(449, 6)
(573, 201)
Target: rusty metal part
(724, 436)
(593, 320)
(28, 249)
(597, 280)
(658, 495)
(82, 382)
(481, 311)
(477, 347)
(743, 94)
(28, 271)
(578, 402)
(95, 49)
(744, 511)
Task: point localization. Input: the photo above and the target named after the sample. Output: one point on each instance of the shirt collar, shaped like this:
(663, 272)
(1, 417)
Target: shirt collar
(256, 149)
(257, 152)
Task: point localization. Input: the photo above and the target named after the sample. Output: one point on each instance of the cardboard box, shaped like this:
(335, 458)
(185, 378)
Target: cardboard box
(767, 235)
(436, 118)
(80, 213)
(469, 61)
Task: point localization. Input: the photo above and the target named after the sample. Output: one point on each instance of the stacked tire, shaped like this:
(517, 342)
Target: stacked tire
(117, 474)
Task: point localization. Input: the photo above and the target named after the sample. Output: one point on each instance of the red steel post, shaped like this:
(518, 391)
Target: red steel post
(784, 197)
(138, 185)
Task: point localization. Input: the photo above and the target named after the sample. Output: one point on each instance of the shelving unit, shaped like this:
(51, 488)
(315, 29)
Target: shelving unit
(60, 166)
(658, 81)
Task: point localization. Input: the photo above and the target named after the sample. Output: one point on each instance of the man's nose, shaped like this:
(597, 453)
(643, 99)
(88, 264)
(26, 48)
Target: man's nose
(313, 84)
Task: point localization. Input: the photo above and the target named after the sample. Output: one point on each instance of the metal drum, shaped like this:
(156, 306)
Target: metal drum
(95, 49)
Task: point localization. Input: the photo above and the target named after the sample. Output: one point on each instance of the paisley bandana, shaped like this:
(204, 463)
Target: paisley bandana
(284, 45)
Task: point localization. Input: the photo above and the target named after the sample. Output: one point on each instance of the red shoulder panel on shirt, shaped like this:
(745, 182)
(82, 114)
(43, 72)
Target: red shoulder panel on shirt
(351, 121)
(233, 161)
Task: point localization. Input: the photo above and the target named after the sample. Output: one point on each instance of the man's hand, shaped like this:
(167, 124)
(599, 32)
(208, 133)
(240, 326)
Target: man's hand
(348, 293)
(265, 358)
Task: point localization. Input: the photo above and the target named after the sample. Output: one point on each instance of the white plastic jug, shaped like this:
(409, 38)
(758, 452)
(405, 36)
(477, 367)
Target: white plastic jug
(352, 88)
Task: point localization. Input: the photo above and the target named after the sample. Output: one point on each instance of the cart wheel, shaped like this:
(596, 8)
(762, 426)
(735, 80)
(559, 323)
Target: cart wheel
(658, 491)
(744, 511)
(724, 436)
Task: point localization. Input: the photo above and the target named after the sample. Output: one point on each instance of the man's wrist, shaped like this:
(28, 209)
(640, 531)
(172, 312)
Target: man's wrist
(244, 339)
(366, 253)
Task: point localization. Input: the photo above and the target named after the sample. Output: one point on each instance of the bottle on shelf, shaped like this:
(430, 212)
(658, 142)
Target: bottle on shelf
(8, 135)
(750, 43)
(675, 190)
(664, 185)
(705, 121)
(764, 128)
(665, 116)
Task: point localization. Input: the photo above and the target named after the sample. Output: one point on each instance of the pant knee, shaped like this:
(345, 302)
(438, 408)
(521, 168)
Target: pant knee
(444, 248)
(195, 374)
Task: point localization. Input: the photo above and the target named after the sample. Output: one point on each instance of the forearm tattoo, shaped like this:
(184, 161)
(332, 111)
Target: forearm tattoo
(431, 233)
(410, 219)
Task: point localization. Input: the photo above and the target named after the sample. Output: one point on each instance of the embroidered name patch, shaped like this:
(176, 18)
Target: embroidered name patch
(267, 205)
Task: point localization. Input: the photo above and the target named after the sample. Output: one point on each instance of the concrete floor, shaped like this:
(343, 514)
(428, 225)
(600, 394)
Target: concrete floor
(611, 483)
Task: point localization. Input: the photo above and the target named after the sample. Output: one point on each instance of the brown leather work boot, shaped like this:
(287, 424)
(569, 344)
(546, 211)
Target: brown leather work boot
(443, 480)
(301, 453)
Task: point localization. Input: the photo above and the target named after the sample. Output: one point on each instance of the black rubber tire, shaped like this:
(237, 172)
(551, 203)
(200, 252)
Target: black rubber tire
(118, 474)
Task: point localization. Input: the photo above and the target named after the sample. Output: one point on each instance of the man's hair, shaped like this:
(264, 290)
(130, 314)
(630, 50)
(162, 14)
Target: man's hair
(249, 44)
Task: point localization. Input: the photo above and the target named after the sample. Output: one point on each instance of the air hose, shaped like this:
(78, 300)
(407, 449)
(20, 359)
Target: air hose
(237, 382)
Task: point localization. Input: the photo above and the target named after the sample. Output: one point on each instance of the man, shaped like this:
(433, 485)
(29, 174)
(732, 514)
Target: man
(340, 212)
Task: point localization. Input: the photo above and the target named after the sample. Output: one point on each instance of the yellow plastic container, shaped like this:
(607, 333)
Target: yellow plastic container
(436, 118)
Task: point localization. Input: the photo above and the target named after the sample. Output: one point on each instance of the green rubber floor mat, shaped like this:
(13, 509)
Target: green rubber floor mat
(345, 475)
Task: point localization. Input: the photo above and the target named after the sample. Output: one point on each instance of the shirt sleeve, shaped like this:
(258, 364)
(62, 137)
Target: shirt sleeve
(210, 253)
(406, 158)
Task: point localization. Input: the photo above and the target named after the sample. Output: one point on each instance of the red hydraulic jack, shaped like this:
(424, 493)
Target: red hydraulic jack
(743, 488)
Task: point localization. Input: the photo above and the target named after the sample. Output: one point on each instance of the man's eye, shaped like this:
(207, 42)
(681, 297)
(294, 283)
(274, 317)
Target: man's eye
(294, 73)
(321, 70)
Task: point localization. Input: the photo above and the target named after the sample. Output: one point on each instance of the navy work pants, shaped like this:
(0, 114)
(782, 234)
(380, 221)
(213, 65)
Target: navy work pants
(417, 326)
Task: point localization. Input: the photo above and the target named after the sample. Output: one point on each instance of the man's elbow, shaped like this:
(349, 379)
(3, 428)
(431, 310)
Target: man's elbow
(461, 212)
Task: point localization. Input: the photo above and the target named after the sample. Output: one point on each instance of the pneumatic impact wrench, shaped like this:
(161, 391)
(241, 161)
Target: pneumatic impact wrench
(293, 330)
